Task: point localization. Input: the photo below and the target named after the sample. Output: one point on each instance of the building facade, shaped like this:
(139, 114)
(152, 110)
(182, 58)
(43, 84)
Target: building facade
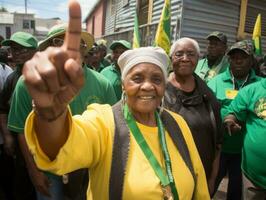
(189, 18)
(95, 21)
(13, 22)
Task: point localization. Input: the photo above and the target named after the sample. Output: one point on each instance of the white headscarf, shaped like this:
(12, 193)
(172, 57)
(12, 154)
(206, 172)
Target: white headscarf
(154, 55)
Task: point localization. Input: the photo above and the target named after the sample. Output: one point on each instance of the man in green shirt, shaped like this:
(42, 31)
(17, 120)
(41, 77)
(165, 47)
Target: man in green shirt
(94, 58)
(22, 47)
(226, 86)
(96, 90)
(249, 107)
(112, 72)
(216, 61)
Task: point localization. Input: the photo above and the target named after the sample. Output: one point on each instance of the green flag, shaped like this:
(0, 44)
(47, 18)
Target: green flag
(136, 35)
(257, 36)
(162, 37)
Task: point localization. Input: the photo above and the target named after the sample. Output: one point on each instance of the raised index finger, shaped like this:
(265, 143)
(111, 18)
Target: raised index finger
(72, 36)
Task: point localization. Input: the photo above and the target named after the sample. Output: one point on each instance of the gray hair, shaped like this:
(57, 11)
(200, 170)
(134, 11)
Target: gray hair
(187, 39)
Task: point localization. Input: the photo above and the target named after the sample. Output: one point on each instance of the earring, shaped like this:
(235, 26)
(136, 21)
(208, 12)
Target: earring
(123, 98)
(161, 107)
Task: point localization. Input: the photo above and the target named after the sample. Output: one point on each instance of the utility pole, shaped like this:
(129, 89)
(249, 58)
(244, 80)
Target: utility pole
(26, 6)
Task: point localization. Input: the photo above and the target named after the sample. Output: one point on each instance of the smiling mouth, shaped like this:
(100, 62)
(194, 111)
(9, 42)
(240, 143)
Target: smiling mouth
(146, 98)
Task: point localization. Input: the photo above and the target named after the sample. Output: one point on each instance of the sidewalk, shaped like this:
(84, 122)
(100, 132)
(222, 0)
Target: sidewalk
(221, 193)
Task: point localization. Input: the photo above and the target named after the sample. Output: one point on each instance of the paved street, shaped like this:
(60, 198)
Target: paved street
(221, 193)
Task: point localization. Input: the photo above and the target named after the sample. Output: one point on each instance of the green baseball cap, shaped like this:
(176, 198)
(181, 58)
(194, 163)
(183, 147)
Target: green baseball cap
(123, 43)
(60, 29)
(219, 35)
(244, 45)
(24, 39)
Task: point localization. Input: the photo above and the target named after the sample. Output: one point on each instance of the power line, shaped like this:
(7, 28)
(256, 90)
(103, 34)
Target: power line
(26, 6)
(21, 3)
(36, 7)
(40, 8)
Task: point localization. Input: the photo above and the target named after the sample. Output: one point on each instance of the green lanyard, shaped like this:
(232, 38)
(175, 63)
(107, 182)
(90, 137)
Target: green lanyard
(168, 179)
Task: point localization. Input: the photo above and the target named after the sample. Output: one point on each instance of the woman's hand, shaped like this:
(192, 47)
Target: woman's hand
(54, 76)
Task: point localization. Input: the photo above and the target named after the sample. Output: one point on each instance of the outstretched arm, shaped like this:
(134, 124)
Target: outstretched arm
(53, 77)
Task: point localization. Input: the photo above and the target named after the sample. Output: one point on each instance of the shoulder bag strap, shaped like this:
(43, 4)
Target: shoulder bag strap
(119, 155)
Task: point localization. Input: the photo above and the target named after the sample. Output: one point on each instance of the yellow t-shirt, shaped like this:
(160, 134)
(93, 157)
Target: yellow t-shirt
(89, 145)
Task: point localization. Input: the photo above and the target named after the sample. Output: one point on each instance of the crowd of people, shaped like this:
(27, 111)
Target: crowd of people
(77, 123)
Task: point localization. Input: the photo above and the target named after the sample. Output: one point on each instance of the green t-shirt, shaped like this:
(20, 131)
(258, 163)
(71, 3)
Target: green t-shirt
(114, 77)
(206, 72)
(223, 87)
(95, 90)
(105, 62)
(100, 68)
(249, 106)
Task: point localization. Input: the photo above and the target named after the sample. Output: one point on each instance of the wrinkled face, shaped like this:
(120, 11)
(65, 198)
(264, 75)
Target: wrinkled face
(184, 59)
(118, 50)
(215, 48)
(240, 63)
(144, 86)
(21, 54)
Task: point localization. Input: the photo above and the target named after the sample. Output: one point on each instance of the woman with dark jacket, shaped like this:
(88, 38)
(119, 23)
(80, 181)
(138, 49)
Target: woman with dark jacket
(189, 96)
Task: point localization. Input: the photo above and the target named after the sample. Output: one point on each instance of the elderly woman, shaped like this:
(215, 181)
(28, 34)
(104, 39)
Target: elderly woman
(189, 96)
(130, 150)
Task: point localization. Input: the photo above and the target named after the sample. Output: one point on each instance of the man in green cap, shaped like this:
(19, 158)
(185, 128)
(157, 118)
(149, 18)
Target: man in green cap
(247, 112)
(215, 62)
(112, 72)
(23, 46)
(94, 58)
(96, 90)
(226, 86)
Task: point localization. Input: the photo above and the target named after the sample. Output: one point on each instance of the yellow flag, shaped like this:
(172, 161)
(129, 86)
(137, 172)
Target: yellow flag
(162, 37)
(136, 35)
(257, 35)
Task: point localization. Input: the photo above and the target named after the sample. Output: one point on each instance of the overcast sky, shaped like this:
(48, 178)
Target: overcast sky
(46, 8)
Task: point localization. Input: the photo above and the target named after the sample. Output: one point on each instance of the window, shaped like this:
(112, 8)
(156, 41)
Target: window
(253, 9)
(143, 8)
(26, 24)
(248, 15)
(93, 25)
(8, 32)
(32, 24)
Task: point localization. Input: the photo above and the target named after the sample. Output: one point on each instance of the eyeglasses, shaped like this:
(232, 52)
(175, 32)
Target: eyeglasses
(181, 54)
(58, 42)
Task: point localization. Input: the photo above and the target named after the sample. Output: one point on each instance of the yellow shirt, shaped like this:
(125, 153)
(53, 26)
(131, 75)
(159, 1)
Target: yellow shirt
(89, 145)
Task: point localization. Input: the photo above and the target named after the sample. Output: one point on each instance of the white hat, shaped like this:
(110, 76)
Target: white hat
(154, 55)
